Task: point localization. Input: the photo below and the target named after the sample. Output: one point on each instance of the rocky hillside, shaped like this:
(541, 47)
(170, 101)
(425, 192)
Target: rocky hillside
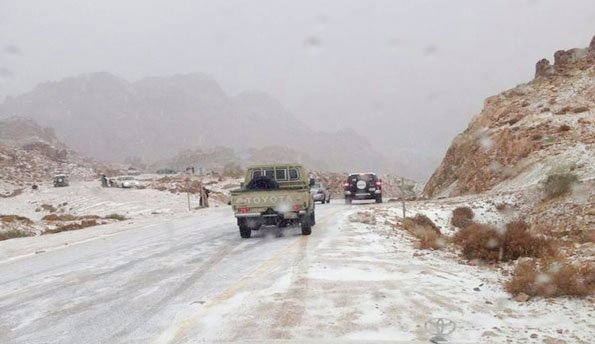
(109, 118)
(522, 134)
(31, 154)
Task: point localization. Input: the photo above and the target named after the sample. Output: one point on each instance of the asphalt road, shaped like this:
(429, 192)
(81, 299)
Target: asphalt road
(160, 283)
(192, 279)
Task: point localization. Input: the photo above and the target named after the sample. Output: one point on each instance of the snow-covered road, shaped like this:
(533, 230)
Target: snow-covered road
(191, 278)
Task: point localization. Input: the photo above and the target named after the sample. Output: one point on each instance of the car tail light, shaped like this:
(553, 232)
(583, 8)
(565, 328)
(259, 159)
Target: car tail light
(296, 207)
(243, 209)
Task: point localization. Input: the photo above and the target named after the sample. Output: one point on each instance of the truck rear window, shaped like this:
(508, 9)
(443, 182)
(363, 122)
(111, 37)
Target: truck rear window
(279, 174)
(293, 174)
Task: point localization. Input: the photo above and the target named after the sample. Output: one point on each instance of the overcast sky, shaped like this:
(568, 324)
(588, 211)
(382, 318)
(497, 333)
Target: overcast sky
(407, 74)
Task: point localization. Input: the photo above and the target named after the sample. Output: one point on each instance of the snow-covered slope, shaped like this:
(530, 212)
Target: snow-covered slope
(31, 154)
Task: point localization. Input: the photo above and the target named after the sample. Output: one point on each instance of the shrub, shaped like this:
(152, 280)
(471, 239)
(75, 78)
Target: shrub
(56, 217)
(116, 217)
(14, 193)
(72, 226)
(518, 242)
(49, 208)
(425, 230)
(15, 218)
(552, 278)
(479, 241)
(14, 233)
(564, 127)
(558, 184)
(424, 221)
(462, 217)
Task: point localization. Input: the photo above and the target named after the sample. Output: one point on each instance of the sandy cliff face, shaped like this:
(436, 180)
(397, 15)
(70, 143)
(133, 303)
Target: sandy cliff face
(522, 134)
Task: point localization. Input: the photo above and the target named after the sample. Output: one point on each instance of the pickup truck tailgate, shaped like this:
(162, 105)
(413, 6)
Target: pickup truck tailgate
(282, 200)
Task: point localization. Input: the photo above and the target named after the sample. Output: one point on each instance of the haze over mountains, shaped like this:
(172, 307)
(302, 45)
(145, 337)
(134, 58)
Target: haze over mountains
(110, 118)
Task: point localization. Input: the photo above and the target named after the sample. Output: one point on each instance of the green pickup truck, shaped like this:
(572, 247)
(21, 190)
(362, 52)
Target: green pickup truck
(274, 195)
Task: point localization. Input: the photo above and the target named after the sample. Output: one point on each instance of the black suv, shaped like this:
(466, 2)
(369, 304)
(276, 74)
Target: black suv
(362, 186)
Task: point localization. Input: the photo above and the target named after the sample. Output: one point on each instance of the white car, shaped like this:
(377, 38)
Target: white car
(320, 193)
(124, 182)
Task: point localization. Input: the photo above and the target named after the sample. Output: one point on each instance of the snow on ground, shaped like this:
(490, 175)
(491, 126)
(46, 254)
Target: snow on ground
(423, 284)
(440, 211)
(191, 278)
(89, 198)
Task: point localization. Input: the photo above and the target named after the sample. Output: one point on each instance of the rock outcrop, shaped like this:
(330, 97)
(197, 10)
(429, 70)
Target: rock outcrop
(30, 154)
(527, 131)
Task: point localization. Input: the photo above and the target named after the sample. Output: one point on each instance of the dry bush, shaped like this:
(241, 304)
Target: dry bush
(462, 217)
(15, 218)
(89, 217)
(49, 208)
(72, 226)
(14, 193)
(564, 127)
(424, 221)
(115, 216)
(480, 241)
(558, 184)
(518, 242)
(63, 217)
(430, 240)
(425, 230)
(552, 278)
(14, 233)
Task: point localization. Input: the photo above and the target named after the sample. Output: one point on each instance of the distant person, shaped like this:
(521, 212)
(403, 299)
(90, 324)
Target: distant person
(204, 197)
(104, 181)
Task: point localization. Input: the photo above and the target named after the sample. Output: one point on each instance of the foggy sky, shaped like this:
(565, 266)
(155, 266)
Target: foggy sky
(407, 74)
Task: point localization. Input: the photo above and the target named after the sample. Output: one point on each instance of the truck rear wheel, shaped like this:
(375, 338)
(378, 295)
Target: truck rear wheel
(307, 224)
(347, 200)
(245, 231)
(379, 199)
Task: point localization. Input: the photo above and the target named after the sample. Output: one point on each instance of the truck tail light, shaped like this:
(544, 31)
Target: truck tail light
(378, 182)
(345, 184)
(296, 207)
(243, 210)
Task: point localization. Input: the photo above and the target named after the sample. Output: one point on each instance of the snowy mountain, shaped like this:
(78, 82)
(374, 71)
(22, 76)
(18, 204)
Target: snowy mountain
(109, 118)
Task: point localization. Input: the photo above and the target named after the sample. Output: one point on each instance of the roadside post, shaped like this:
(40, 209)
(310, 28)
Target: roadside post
(188, 193)
(403, 196)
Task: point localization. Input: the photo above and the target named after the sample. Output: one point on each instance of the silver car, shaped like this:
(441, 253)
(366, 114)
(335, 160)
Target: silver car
(320, 193)
(124, 182)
